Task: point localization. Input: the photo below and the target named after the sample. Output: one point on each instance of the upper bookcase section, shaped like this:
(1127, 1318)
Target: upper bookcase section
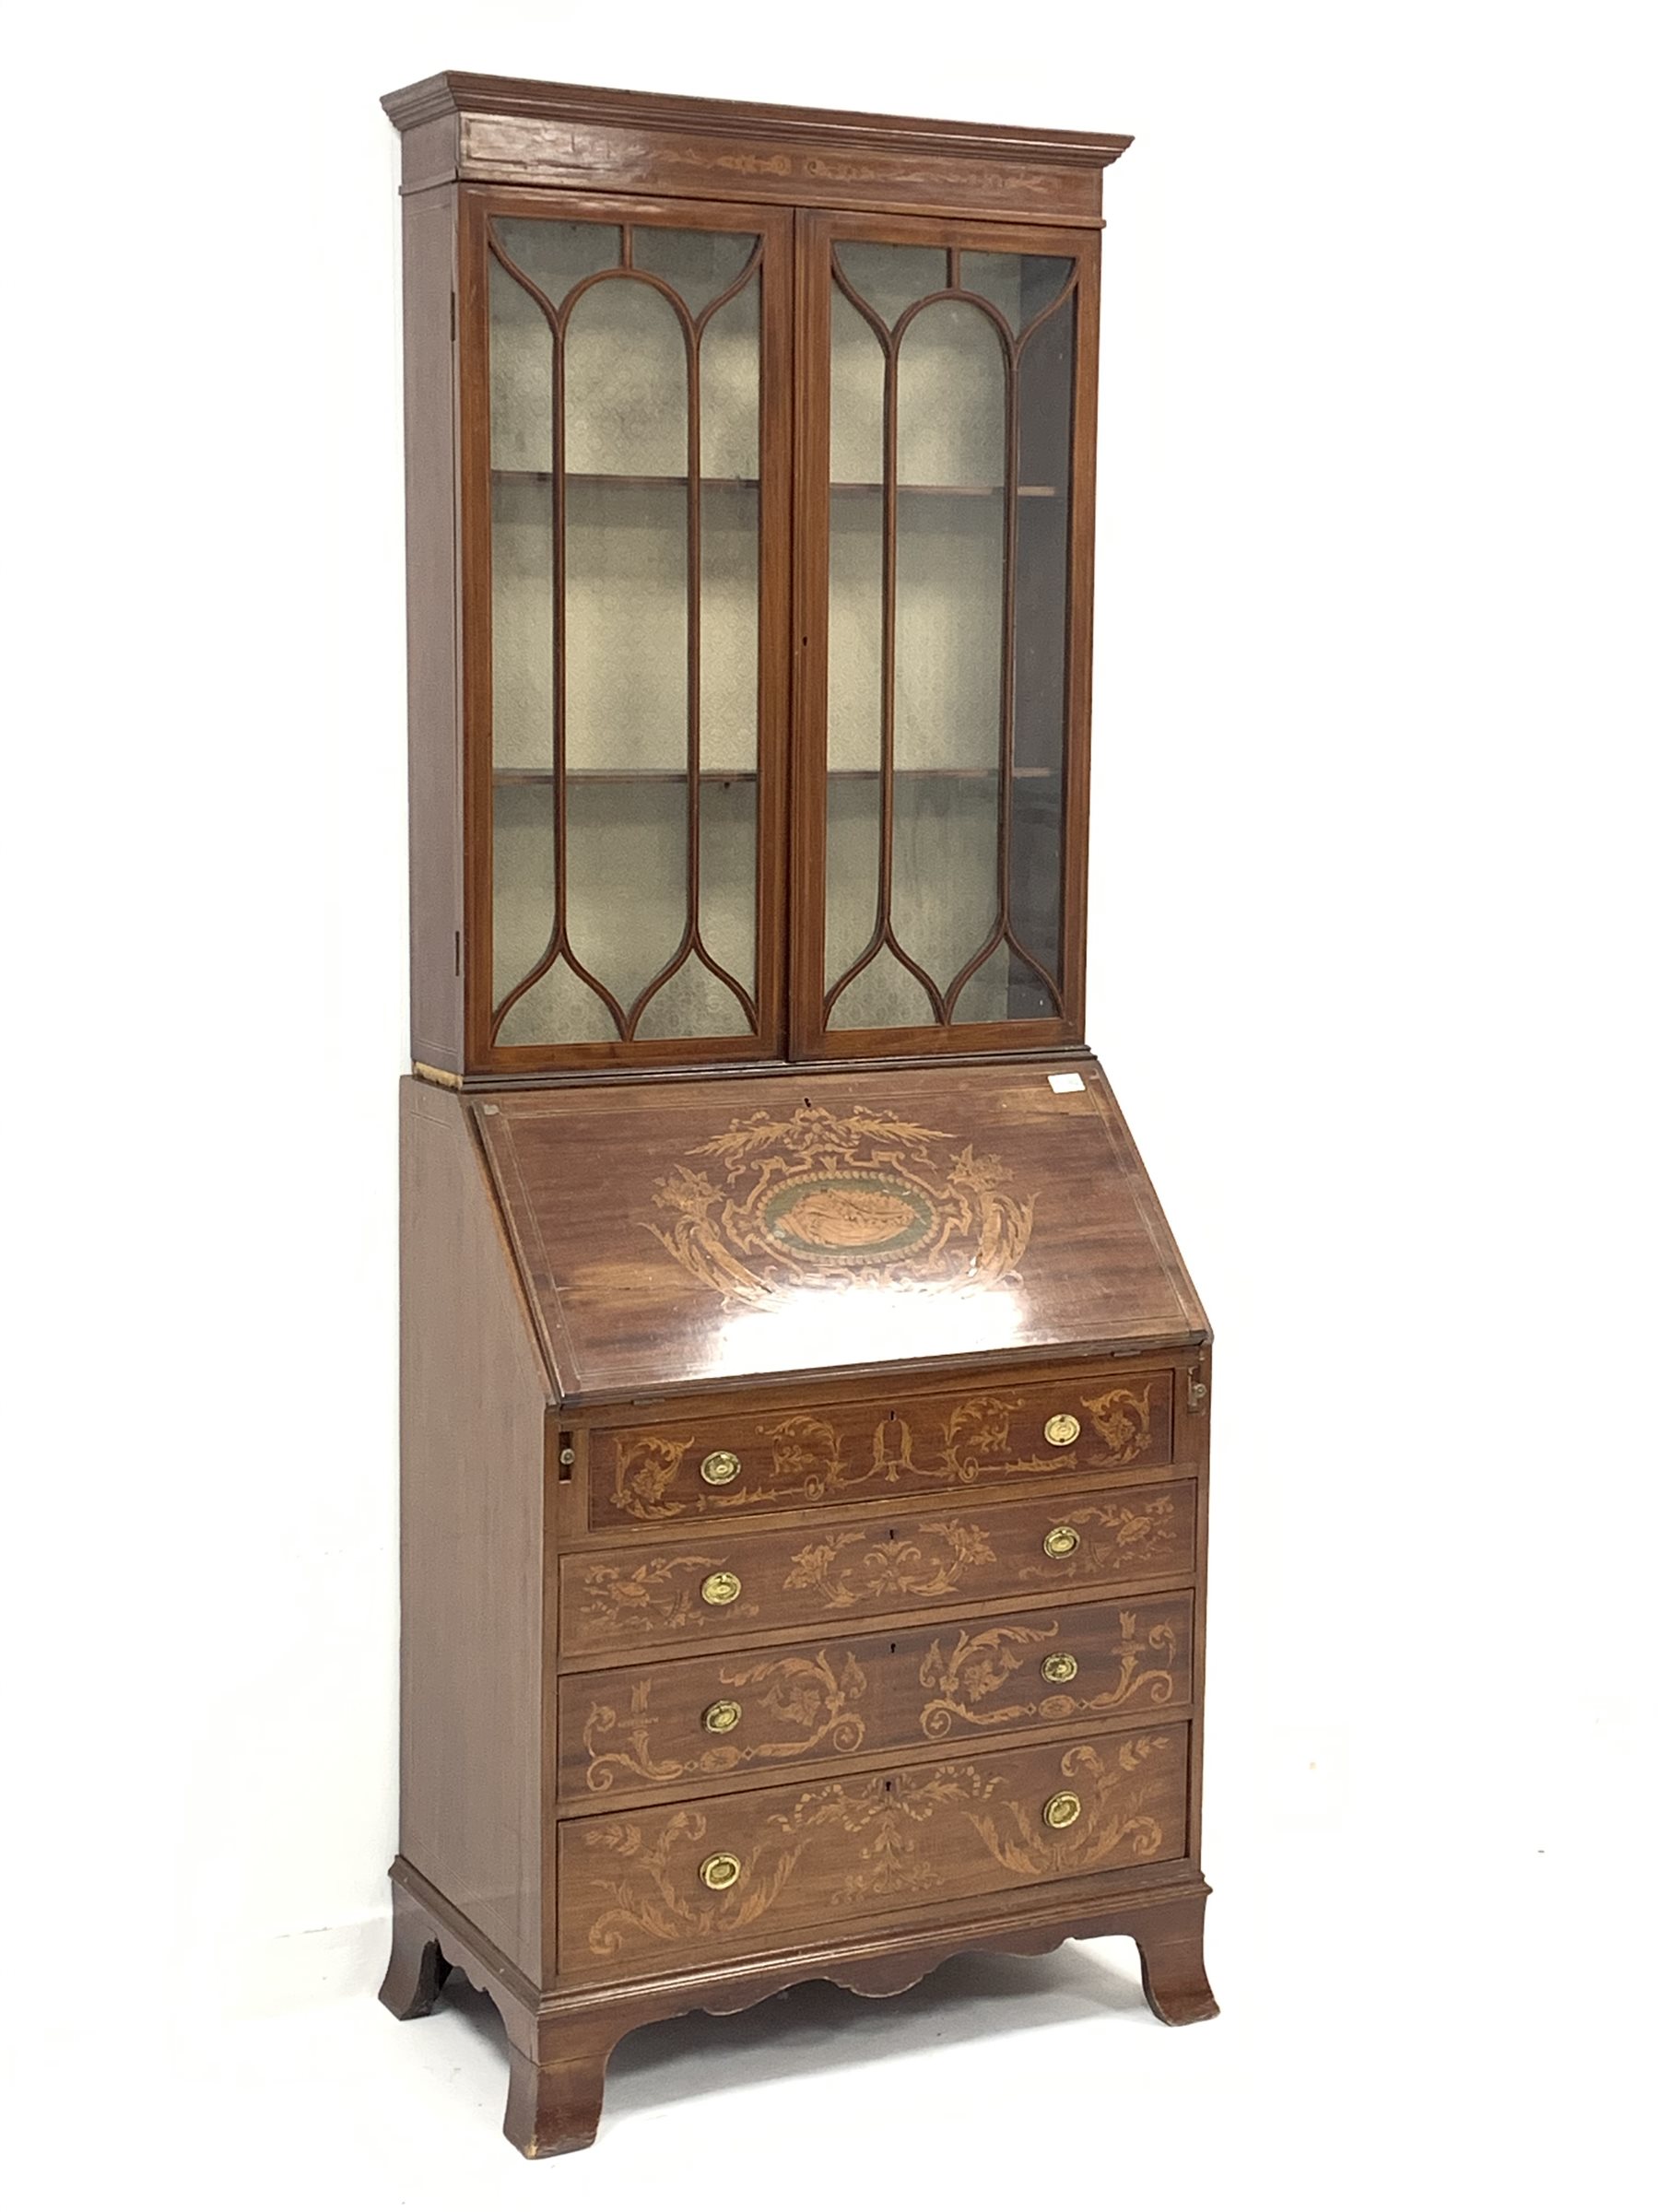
(500, 130)
(751, 482)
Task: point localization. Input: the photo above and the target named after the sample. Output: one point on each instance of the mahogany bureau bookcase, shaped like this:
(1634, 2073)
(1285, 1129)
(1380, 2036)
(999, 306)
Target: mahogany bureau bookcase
(806, 1407)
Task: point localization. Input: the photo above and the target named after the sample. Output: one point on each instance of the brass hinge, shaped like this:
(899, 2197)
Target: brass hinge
(1197, 1393)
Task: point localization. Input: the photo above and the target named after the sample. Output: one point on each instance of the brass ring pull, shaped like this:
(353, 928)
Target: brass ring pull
(1060, 1543)
(720, 1589)
(1060, 1666)
(720, 1870)
(1063, 1808)
(722, 1468)
(1063, 1429)
(723, 1716)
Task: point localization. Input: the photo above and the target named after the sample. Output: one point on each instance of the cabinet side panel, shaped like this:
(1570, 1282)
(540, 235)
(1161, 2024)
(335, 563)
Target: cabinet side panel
(435, 821)
(474, 1433)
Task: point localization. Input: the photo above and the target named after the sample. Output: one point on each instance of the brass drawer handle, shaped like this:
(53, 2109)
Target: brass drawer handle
(1060, 1543)
(1060, 1666)
(1063, 1808)
(722, 1468)
(1063, 1429)
(720, 1870)
(720, 1589)
(723, 1716)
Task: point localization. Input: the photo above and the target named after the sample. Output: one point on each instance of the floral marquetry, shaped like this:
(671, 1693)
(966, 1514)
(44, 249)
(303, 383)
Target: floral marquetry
(629, 1887)
(920, 1444)
(804, 1578)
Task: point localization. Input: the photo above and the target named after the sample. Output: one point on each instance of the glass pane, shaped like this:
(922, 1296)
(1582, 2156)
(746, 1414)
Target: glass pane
(727, 905)
(857, 370)
(885, 997)
(521, 377)
(730, 676)
(1019, 285)
(1005, 989)
(556, 256)
(953, 392)
(525, 876)
(945, 874)
(627, 859)
(890, 279)
(1043, 599)
(699, 264)
(593, 685)
(522, 630)
(730, 356)
(625, 382)
(962, 759)
(625, 626)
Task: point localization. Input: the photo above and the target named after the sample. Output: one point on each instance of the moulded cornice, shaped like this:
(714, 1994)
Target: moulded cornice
(458, 92)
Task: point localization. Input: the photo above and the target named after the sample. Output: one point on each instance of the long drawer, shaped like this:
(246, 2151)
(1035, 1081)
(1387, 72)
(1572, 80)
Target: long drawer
(735, 1874)
(735, 1712)
(722, 1462)
(730, 1584)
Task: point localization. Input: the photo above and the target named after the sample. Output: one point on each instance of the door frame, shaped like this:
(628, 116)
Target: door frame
(816, 231)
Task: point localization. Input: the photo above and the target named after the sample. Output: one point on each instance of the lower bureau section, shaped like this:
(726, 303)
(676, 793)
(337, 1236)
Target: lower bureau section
(728, 1876)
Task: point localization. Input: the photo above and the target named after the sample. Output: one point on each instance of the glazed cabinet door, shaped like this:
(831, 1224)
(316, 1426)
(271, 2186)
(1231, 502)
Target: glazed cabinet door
(945, 473)
(625, 407)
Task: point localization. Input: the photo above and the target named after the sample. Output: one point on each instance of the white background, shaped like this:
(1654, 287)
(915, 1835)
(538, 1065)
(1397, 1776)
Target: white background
(1369, 969)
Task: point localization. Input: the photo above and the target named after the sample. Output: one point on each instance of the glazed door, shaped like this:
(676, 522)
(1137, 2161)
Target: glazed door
(625, 491)
(946, 424)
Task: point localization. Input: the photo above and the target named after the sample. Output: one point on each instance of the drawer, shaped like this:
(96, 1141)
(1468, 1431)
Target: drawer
(644, 1596)
(740, 1873)
(722, 1462)
(741, 1712)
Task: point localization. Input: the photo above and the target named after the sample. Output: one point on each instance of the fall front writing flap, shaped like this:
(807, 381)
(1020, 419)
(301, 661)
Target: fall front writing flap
(672, 1234)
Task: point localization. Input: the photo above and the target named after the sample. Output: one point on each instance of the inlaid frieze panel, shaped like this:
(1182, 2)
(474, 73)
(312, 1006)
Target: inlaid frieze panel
(735, 1873)
(707, 1590)
(723, 1463)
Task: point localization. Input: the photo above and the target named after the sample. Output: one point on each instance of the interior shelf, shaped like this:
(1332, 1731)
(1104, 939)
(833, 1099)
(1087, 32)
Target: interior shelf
(544, 475)
(747, 775)
(952, 491)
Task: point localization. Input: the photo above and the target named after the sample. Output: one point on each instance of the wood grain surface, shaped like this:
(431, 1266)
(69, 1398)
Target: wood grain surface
(718, 1232)
(634, 1886)
(657, 1728)
(647, 1598)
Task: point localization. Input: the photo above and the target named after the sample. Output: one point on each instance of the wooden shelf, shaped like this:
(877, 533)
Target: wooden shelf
(623, 775)
(747, 775)
(946, 492)
(544, 475)
(942, 491)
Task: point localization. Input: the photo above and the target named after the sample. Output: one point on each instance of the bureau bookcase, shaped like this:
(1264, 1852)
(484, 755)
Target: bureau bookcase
(806, 1407)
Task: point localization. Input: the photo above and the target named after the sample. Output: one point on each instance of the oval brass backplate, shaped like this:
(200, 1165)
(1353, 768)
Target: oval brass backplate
(1063, 1429)
(720, 1870)
(722, 1468)
(1060, 1666)
(1063, 1808)
(720, 1589)
(723, 1716)
(1060, 1543)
